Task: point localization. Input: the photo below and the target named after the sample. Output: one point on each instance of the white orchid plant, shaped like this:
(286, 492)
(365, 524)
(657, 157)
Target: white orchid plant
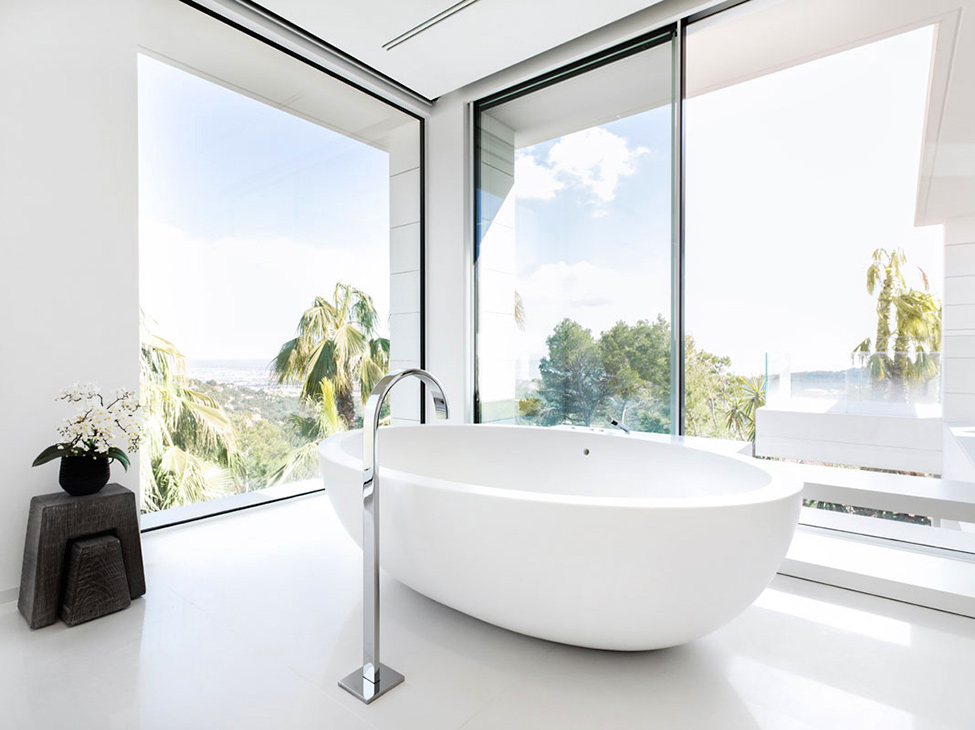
(98, 429)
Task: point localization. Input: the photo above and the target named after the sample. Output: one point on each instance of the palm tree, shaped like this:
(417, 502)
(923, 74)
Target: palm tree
(747, 395)
(885, 270)
(336, 342)
(736, 415)
(189, 449)
(753, 394)
(917, 326)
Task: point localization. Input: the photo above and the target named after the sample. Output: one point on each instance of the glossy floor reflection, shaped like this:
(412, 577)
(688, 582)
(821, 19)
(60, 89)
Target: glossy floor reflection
(250, 620)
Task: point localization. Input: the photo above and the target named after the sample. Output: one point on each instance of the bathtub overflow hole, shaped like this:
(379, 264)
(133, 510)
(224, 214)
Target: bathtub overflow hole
(585, 452)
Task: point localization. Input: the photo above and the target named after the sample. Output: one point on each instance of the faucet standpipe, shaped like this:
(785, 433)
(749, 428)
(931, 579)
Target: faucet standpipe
(374, 678)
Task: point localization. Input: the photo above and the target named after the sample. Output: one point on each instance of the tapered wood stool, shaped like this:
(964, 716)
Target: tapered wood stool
(56, 520)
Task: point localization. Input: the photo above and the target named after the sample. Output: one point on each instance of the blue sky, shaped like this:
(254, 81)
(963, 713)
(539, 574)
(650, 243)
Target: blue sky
(793, 179)
(246, 213)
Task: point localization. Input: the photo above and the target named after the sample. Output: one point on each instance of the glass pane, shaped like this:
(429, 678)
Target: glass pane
(813, 291)
(264, 244)
(574, 216)
(802, 181)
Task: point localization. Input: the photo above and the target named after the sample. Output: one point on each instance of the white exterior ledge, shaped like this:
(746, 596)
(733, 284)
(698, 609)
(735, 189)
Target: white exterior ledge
(898, 442)
(942, 498)
(932, 580)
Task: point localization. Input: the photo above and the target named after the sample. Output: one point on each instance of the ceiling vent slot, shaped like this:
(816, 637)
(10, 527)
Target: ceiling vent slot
(428, 23)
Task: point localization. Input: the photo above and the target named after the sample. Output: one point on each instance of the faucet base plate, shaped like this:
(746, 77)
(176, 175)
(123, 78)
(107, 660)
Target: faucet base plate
(366, 691)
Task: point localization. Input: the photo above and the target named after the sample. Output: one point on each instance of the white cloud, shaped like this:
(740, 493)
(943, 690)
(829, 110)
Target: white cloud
(533, 180)
(237, 298)
(593, 160)
(596, 159)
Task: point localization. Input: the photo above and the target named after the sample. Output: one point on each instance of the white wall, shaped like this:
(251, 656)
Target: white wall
(404, 268)
(448, 254)
(68, 232)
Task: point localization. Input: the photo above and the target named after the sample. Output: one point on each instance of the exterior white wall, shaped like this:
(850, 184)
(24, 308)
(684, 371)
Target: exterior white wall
(958, 350)
(881, 442)
(404, 268)
(68, 232)
(958, 337)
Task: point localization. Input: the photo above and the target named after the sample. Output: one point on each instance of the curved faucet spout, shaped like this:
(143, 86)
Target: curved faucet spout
(370, 415)
(375, 678)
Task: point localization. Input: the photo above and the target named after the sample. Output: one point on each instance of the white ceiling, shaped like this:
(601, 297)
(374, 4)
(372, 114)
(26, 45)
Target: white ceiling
(489, 35)
(183, 37)
(634, 84)
(479, 40)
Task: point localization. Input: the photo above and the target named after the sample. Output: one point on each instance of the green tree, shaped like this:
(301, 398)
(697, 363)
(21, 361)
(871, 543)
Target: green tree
(636, 359)
(190, 447)
(707, 391)
(263, 445)
(336, 342)
(574, 384)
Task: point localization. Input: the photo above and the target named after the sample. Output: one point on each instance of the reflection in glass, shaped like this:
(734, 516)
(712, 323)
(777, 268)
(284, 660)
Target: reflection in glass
(802, 169)
(574, 215)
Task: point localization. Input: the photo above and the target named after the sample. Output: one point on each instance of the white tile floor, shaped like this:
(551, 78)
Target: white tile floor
(251, 619)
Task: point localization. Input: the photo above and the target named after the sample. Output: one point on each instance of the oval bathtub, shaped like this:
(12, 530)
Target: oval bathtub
(597, 540)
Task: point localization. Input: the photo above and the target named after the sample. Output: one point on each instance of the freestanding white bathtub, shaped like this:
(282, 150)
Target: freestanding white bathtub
(597, 540)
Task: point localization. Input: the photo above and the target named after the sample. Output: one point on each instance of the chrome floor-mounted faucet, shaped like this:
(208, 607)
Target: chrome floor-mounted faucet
(375, 679)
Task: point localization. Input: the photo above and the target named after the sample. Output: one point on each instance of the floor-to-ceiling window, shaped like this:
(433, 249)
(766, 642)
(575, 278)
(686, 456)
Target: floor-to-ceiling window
(806, 276)
(574, 244)
(811, 270)
(279, 257)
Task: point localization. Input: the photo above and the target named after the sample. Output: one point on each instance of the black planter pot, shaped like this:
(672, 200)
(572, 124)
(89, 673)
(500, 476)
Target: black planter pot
(82, 475)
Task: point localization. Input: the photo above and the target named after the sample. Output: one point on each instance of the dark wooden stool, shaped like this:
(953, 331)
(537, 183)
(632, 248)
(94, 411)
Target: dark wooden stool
(94, 583)
(55, 520)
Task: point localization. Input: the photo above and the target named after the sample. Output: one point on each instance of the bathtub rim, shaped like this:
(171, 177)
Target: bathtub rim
(780, 485)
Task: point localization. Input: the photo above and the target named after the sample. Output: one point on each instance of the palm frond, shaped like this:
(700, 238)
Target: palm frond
(329, 420)
(873, 276)
(321, 365)
(286, 368)
(300, 463)
(184, 478)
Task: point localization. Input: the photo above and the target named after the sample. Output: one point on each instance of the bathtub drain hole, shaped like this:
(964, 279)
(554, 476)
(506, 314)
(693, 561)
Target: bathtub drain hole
(585, 452)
